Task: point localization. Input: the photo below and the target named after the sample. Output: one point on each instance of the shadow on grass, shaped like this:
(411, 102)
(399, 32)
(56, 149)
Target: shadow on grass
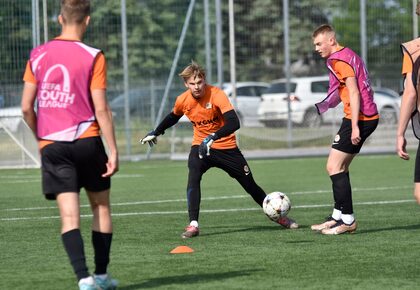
(234, 229)
(189, 280)
(394, 228)
(230, 230)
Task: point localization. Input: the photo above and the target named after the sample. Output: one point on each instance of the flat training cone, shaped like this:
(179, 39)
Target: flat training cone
(182, 250)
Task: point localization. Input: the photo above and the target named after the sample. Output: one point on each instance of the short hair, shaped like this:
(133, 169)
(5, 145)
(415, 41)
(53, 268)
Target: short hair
(75, 11)
(324, 28)
(193, 69)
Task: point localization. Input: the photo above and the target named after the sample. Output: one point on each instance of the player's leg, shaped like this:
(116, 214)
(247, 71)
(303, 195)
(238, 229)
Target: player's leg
(101, 237)
(341, 156)
(59, 182)
(337, 168)
(417, 192)
(91, 161)
(233, 162)
(196, 168)
(68, 204)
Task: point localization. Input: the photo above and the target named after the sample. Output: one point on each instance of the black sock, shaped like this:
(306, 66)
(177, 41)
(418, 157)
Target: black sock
(102, 247)
(73, 244)
(342, 192)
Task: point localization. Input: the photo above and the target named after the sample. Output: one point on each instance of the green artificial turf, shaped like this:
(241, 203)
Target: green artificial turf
(238, 247)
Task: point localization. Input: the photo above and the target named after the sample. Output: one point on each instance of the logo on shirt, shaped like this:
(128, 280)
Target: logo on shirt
(56, 95)
(205, 122)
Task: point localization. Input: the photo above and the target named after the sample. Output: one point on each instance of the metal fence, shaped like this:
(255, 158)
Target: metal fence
(147, 43)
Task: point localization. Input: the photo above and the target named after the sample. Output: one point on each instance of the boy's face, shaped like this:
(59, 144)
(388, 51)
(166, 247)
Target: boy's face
(196, 85)
(324, 44)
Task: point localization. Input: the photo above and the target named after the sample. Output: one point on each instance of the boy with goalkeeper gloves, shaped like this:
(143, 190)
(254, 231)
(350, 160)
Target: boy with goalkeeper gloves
(214, 143)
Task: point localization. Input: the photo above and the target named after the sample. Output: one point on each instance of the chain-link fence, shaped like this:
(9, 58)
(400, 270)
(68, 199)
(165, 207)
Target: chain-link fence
(147, 43)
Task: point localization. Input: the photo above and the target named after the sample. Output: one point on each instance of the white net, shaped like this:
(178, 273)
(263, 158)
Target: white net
(18, 147)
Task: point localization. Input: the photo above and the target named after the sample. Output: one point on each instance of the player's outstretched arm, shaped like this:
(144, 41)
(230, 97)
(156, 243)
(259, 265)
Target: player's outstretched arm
(151, 137)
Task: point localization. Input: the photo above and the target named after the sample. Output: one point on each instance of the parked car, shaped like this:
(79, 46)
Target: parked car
(141, 101)
(304, 93)
(248, 98)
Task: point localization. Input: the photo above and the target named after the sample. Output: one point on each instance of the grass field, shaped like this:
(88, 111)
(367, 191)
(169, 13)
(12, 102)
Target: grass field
(239, 248)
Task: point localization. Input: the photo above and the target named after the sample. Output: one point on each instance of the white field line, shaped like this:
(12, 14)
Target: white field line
(209, 210)
(13, 179)
(213, 198)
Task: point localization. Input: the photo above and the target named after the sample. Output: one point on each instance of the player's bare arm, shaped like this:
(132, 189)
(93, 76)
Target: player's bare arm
(408, 103)
(27, 105)
(354, 94)
(104, 116)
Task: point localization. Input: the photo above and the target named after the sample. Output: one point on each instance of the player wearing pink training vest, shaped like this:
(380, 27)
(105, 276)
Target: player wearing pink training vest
(62, 78)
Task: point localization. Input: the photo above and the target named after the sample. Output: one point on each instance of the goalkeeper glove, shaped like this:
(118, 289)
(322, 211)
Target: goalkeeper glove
(150, 138)
(204, 148)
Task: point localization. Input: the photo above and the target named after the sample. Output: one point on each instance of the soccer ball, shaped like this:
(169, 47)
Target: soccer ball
(276, 205)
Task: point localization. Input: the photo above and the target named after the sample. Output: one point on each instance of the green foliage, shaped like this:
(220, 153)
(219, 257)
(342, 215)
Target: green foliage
(154, 28)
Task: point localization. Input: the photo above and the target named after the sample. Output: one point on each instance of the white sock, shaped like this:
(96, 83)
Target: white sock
(336, 214)
(348, 219)
(88, 280)
(194, 224)
(102, 276)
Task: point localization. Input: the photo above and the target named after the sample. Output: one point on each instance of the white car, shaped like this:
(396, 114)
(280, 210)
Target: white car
(248, 98)
(305, 92)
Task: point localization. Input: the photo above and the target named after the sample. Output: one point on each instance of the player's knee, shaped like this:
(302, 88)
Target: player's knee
(331, 169)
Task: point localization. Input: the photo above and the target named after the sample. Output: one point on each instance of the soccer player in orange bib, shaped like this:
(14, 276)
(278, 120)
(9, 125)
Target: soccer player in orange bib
(67, 80)
(214, 143)
(349, 84)
(410, 104)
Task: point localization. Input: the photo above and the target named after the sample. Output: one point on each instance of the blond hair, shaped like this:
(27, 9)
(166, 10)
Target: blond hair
(75, 11)
(324, 28)
(193, 69)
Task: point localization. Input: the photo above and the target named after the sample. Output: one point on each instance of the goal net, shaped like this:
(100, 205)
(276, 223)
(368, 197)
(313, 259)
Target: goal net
(18, 146)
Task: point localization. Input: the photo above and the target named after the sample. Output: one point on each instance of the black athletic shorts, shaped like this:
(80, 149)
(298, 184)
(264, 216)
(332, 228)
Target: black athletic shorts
(342, 140)
(229, 160)
(69, 166)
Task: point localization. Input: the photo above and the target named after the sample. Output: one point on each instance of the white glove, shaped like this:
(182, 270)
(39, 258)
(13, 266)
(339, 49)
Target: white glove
(150, 138)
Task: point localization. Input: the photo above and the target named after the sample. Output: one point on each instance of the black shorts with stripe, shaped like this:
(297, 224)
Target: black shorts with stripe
(69, 166)
(342, 140)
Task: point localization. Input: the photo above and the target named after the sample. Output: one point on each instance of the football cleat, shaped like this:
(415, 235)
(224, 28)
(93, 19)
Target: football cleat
(328, 223)
(340, 228)
(106, 283)
(287, 223)
(190, 232)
